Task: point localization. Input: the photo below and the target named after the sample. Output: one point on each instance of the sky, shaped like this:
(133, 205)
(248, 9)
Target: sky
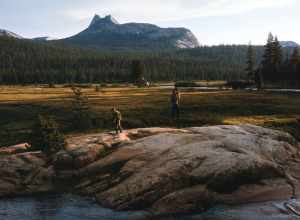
(212, 21)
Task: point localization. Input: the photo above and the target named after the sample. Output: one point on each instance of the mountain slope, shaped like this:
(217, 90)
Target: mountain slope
(108, 34)
(6, 33)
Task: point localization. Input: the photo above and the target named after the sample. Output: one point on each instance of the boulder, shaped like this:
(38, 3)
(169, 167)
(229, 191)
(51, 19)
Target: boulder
(200, 167)
(82, 150)
(25, 173)
(165, 170)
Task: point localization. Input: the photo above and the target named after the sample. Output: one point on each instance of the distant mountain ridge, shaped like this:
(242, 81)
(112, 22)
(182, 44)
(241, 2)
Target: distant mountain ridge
(43, 39)
(108, 33)
(6, 33)
(289, 44)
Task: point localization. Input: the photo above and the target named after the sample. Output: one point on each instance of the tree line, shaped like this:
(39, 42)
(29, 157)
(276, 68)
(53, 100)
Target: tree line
(27, 62)
(277, 66)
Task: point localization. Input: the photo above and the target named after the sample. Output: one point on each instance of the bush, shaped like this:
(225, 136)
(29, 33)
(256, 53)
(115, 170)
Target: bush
(46, 136)
(104, 85)
(235, 85)
(186, 84)
(84, 85)
(98, 88)
(81, 111)
(72, 85)
(51, 85)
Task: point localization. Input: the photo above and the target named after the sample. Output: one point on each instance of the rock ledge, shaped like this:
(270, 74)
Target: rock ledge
(166, 170)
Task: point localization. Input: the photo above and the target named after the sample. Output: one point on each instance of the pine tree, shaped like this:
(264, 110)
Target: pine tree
(276, 53)
(272, 59)
(297, 77)
(268, 55)
(82, 118)
(259, 79)
(267, 62)
(295, 58)
(46, 136)
(295, 65)
(137, 70)
(250, 62)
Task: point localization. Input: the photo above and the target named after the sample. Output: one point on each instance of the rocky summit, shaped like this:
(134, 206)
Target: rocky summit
(108, 34)
(164, 170)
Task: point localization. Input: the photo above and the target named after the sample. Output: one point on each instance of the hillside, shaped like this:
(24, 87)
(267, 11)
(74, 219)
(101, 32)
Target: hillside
(6, 33)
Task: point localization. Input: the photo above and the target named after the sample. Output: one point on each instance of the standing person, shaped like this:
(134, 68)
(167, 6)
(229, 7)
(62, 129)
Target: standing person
(175, 99)
(117, 119)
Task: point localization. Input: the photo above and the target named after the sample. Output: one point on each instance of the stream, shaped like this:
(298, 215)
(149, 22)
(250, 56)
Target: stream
(71, 207)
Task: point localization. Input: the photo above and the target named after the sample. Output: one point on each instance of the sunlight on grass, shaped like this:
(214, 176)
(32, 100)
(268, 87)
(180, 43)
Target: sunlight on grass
(261, 120)
(144, 107)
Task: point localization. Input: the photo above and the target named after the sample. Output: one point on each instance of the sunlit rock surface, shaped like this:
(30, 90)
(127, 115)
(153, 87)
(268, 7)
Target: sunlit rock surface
(167, 171)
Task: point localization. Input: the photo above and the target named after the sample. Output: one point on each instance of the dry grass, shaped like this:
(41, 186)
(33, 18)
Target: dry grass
(144, 107)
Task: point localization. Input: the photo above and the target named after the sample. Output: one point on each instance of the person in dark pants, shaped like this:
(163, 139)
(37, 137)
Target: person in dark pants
(175, 99)
(117, 119)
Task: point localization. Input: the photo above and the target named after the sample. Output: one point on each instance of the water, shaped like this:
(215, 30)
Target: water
(267, 211)
(70, 207)
(60, 207)
(204, 88)
(200, 88)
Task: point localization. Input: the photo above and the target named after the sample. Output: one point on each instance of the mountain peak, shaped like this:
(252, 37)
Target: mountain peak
(107, 33)
(106, 20)
(111, 19)
(95, 20)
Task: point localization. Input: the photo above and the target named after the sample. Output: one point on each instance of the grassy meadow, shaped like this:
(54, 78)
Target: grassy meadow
(143, 107)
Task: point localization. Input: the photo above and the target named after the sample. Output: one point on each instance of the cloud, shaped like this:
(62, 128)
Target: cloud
(168, 10)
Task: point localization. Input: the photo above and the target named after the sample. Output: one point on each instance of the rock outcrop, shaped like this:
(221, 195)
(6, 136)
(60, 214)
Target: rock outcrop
(167, 171)
(25, 173)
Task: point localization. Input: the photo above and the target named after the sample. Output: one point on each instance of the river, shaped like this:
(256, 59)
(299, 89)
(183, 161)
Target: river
(70, 207)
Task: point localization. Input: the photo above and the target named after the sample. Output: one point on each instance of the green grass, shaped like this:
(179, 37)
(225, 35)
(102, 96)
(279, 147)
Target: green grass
(144, 107)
